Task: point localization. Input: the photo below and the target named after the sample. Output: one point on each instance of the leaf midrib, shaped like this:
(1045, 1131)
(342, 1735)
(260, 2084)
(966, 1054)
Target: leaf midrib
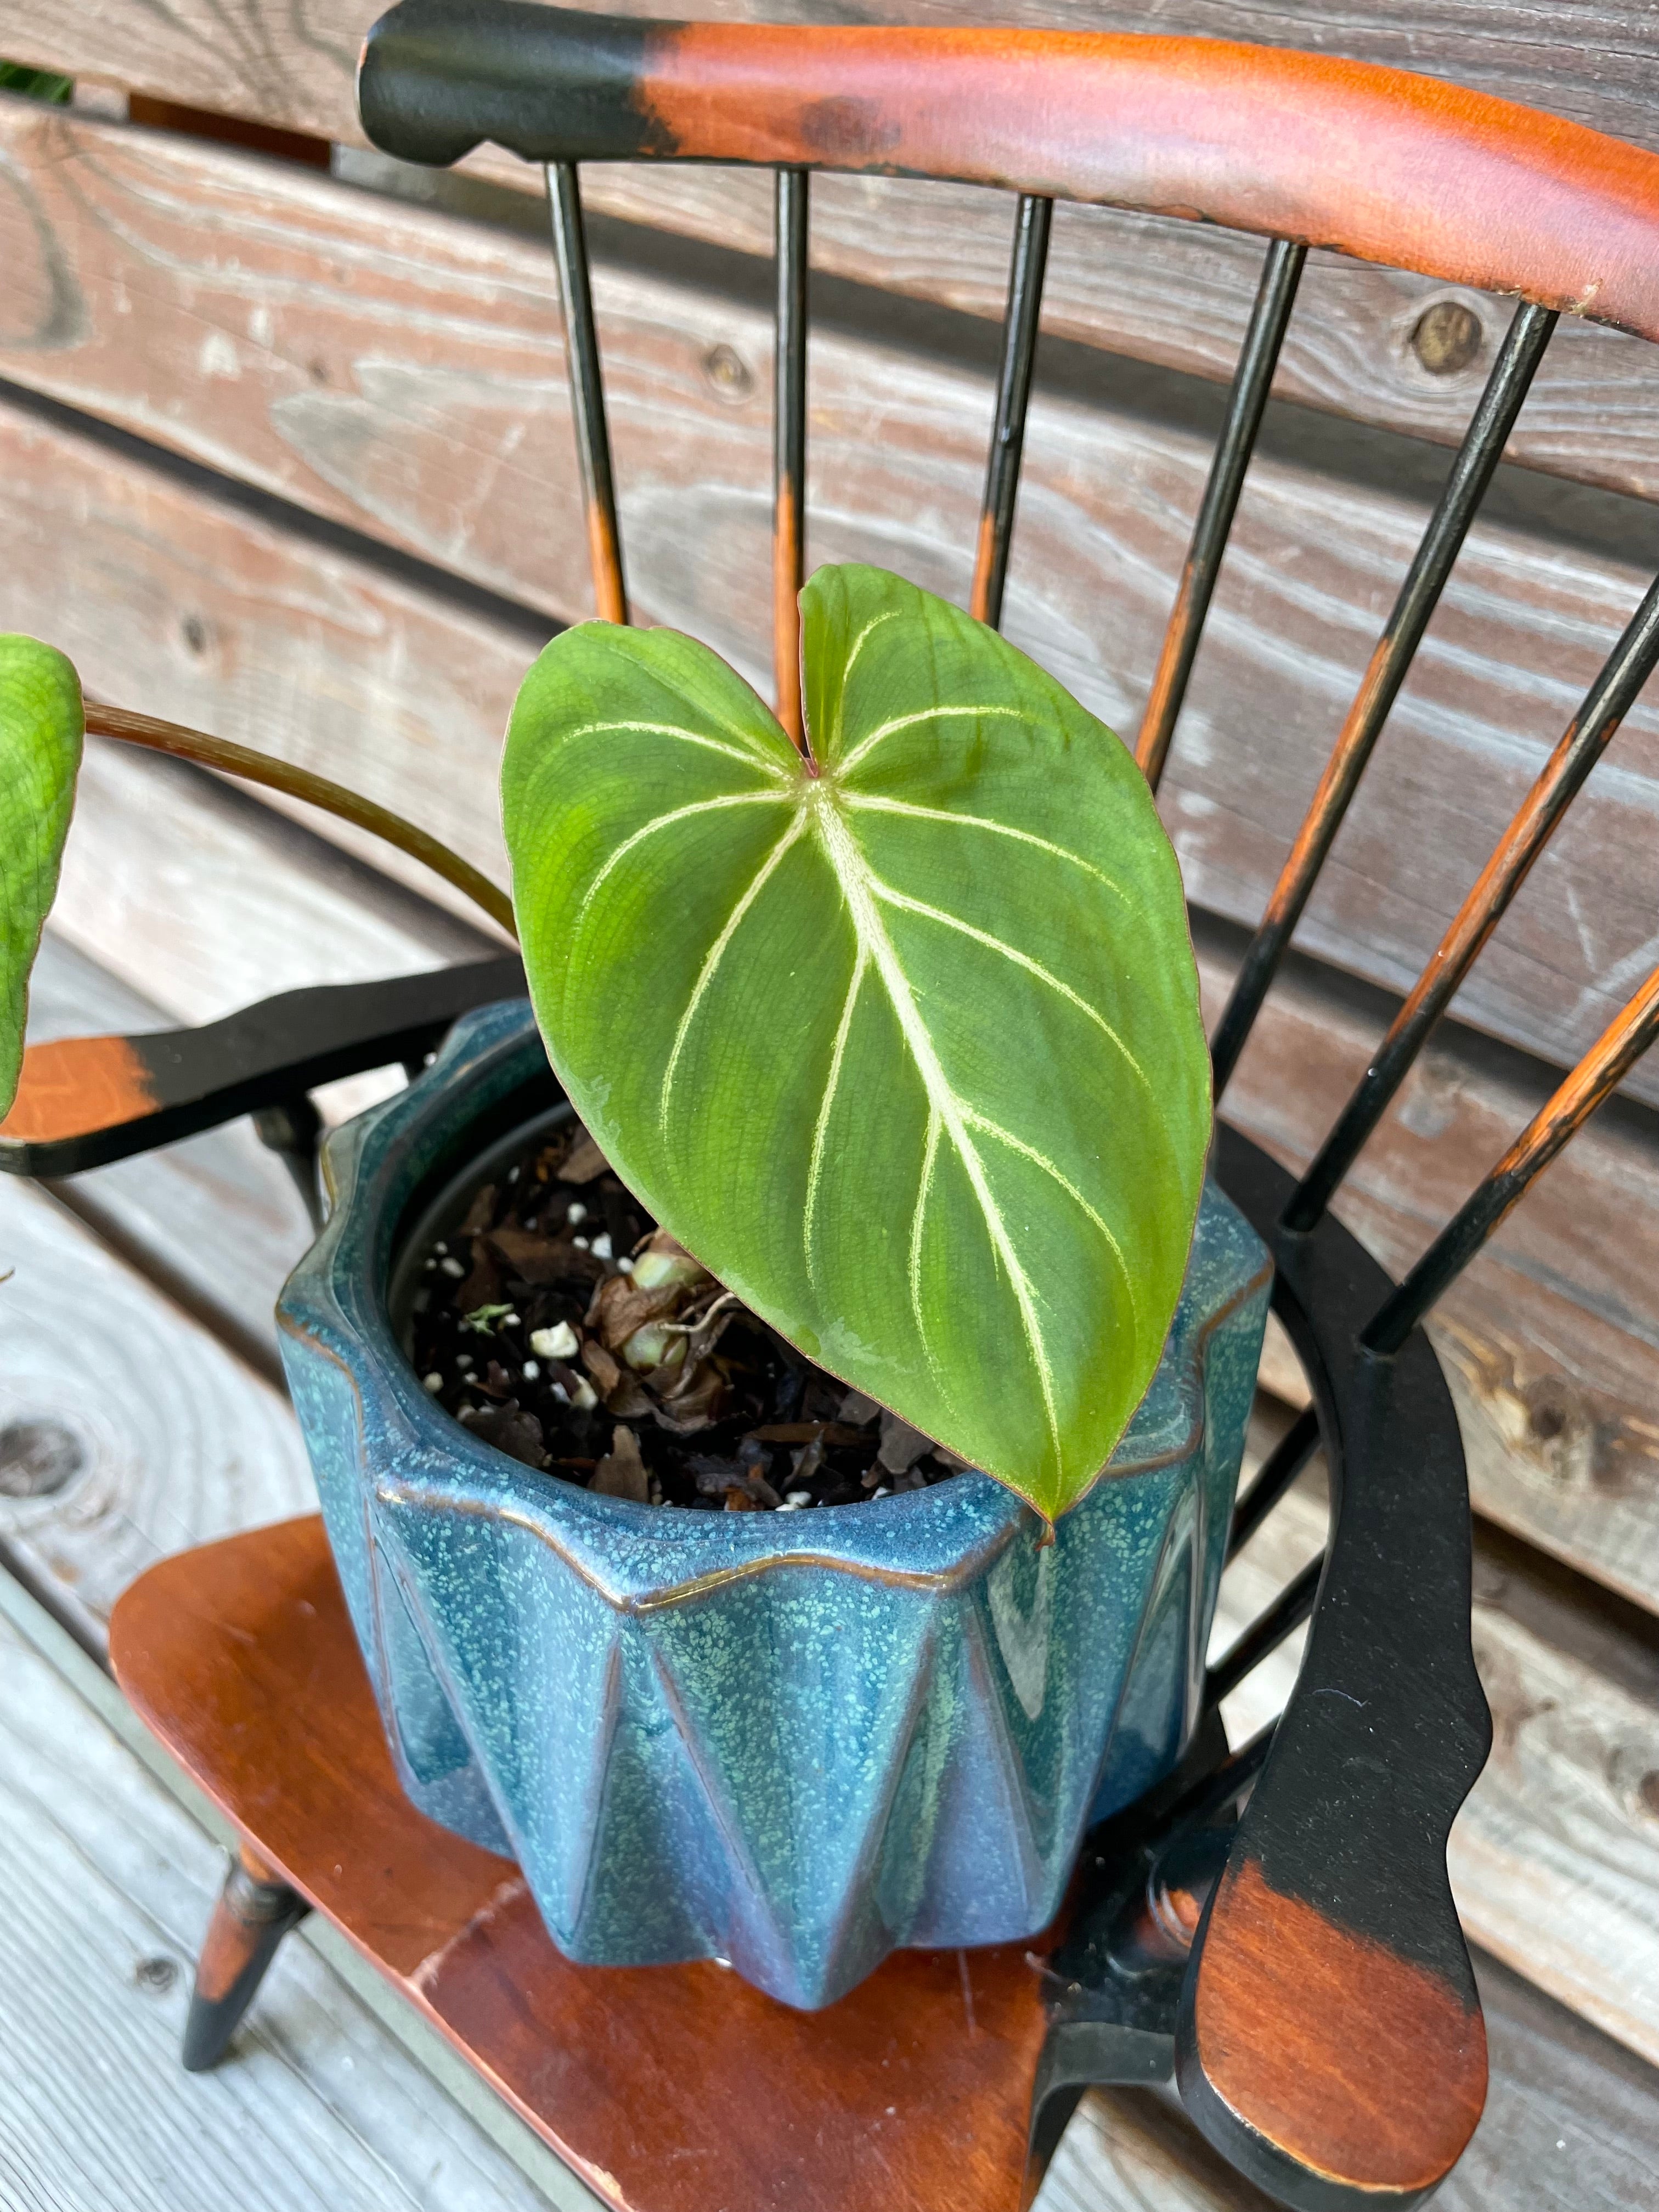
(852, 872)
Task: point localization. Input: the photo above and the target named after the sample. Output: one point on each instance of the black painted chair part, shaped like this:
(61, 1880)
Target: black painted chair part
(255, 1910)
(438, 77)
(87, 1101)
(1033, 223)
(1335, 1906)
(1258, 357)
(294, 1131)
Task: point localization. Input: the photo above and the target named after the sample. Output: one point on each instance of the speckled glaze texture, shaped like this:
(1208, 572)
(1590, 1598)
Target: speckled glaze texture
(791, 1741)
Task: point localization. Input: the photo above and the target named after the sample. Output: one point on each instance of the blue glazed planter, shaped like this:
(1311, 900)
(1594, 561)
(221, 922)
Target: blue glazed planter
(793, 1742)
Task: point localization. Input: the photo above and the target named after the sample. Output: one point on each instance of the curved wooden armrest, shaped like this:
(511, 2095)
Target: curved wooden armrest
(86, 1101)
(1376, 163)
(1330, 2041)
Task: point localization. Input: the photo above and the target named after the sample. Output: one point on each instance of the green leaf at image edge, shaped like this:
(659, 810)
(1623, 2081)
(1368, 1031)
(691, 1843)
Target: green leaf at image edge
(41, 725)
(908, 1052)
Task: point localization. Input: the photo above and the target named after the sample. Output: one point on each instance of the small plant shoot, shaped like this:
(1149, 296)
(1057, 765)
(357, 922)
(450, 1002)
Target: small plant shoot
(901, 1037)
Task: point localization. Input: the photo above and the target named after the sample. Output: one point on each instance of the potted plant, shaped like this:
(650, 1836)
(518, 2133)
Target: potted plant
(777, 1405)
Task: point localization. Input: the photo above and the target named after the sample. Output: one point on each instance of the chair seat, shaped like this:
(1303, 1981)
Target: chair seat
(667, 2088)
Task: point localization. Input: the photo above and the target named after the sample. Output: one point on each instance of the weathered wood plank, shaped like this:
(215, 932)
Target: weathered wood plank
(109, 1883)
(1159, 291)
(224, 903)
(227, 621)
(400, 368)
(126, 1429)
(221, 901)
(1555, 1857)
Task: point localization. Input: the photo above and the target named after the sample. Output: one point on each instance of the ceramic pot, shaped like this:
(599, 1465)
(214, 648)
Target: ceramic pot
(792, 1741)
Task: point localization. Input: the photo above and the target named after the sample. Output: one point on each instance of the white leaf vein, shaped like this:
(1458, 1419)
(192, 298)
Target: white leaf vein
(889, 897)
(821, 1128)
(666, 821)
(988, 1128)
(873, 802)
(858, 890)
(716, 953)
(754, 760)
(929, 1155)
(882, 730)
(852, 652)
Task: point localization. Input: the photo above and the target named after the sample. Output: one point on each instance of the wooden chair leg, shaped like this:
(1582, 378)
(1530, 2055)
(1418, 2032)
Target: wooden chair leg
(255, 1909)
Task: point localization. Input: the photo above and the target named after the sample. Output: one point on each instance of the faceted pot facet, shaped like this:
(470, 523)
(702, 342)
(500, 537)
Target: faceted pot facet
(793, 1742)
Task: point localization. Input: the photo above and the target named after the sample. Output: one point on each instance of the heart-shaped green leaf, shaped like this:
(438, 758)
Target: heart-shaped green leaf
(907, 1050)
(41, 725)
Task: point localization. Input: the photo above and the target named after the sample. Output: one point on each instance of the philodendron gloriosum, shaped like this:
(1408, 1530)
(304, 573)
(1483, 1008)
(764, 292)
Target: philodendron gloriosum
(900, 1035)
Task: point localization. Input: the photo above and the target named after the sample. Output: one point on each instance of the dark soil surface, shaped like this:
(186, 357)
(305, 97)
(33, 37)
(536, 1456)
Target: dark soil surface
(563, 1327)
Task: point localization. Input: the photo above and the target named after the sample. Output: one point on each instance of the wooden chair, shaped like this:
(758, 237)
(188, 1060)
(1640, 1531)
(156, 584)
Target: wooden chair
(1273, 1928)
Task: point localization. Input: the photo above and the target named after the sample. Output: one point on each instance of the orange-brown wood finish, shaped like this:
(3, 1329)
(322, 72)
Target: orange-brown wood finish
(666, 2088)
(605, 557)
(1379, 163)
(75, 1085)
(1157, 728)
(1358, 2064)
(1596, 1076)
(233, 1934)
(786, 581)
(979, 597)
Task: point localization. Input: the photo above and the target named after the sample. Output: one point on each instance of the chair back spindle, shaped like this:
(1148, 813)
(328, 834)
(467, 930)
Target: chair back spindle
(1033, 220)
(581, 352)
(1390, 663)
(1597, 1075)
(1270, 319)
(789, 447)
(1592, 730)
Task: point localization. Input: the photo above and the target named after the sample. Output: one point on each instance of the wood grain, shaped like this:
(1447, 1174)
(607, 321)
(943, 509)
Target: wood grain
(292, 64)
(879, 2099)
(1554, 1860)
(80, 1083)
(1390, 2108)
(153, 1435)
(1571, 2120)
(109, 1883)
(221, 902)
(1150, 288)
(437, 417)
